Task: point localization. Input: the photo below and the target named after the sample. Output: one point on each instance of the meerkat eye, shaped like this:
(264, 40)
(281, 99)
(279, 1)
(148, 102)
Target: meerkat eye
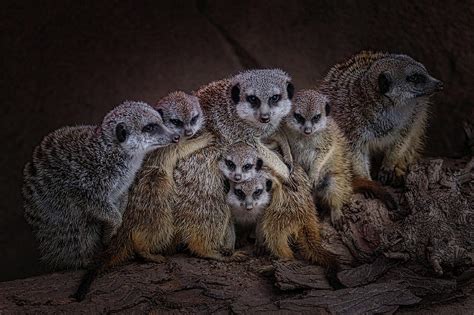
(247, 167)
(258, 192)
(150, 127)
(230, 164)
(300, 119)
(177, 122)
(194, 119)
(416, 78)
(239, 193)
(316, 118)
(253, 100)
(275, 98)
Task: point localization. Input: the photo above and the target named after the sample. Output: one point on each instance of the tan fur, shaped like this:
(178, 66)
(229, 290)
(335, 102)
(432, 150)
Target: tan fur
(203, 216)
(377, 119)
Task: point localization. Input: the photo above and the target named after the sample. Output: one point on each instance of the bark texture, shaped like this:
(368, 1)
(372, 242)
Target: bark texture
(418, 258)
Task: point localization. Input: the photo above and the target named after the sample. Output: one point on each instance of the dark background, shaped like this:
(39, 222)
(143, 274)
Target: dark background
(64, 63)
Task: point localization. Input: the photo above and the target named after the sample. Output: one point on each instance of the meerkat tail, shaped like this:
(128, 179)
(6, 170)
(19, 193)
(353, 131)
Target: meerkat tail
(312, 250)
(370, 187)
(111, 257)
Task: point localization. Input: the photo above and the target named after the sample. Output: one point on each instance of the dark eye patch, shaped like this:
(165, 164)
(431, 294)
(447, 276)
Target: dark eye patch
(247, 167)
(230, 165)
(239, 193)
(300, 119)
(253, 100)
(150, 128)
(316, 118)
(416, 78)
(194, 119)
(275, 98)
(177, 122)
(257, 193)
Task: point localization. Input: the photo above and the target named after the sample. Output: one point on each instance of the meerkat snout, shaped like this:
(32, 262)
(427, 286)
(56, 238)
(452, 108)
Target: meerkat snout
(176, 138)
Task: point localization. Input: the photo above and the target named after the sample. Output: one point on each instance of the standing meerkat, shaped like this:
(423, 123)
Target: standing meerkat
(148, 227)
(381, 101)
(319, 146)
(75, 189)
(244, 108)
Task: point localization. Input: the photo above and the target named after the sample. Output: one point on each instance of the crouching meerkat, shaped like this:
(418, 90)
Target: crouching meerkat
(75, 188)
(319, 146)
(245, 107)
(381, 102)
(148, 227)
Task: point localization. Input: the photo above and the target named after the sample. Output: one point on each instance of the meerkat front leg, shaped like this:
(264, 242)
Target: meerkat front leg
(110, 217)
(280, 140)
(403, 153)
(272, 160)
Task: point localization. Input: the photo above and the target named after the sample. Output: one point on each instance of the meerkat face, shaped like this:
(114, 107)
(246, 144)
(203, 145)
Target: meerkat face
(137, 128)
(401, 78)
(309, 113)
(249, 199)
(240, 162)
(181, 113)
(262, 97)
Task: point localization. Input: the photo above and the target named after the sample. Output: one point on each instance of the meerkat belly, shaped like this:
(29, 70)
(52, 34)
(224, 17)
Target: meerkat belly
(304, 153)
(386, 126)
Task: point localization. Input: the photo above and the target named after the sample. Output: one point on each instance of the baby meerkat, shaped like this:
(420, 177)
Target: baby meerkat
(319, 146)
(381, 103)
(148, 227)
(247, 201)
(240, 163)
(75, 189)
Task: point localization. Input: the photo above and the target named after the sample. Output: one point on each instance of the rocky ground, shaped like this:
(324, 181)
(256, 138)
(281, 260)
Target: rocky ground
(418, 259)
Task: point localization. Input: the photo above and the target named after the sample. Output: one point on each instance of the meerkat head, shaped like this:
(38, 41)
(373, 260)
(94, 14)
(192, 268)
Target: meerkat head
(400, 78)
(181, 113)
(309, 113)
(137, 128)
(250, 198)
(262, 97)
(240, 162)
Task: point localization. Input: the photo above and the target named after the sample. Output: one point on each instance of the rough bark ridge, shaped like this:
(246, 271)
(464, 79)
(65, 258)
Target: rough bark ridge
(418, 258)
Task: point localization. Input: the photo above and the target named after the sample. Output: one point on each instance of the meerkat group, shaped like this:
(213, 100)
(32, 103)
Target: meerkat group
(245, 152)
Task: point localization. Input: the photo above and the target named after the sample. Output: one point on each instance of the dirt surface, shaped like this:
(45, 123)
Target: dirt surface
(67, 62)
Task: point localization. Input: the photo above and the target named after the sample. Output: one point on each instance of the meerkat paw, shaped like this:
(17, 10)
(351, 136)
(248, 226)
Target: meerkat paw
(239, 256)
(154, 258)
(394, 177)
(290, 166)
(337, 219)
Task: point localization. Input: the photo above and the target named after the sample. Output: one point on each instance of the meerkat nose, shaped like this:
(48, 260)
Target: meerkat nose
(188, 132)
(249, 207)
(237, 177)
(176, 138)
(307, 131)
(439, 86)
(265, 118)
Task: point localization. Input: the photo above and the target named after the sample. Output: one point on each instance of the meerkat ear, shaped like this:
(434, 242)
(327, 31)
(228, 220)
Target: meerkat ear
(121, 132)
(160, 111)
(268, 184)
(384, 83)
(259, 165)
(235, 93)
(290, 89)
(327, 108)
(226, 186)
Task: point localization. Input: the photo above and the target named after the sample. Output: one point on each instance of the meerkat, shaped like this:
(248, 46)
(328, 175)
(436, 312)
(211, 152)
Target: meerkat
(247, 201)
(75, 188)
(245, 107)
(240, 162)
(319, 146)
(381, 102)
(291, 215)
(148, 227)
